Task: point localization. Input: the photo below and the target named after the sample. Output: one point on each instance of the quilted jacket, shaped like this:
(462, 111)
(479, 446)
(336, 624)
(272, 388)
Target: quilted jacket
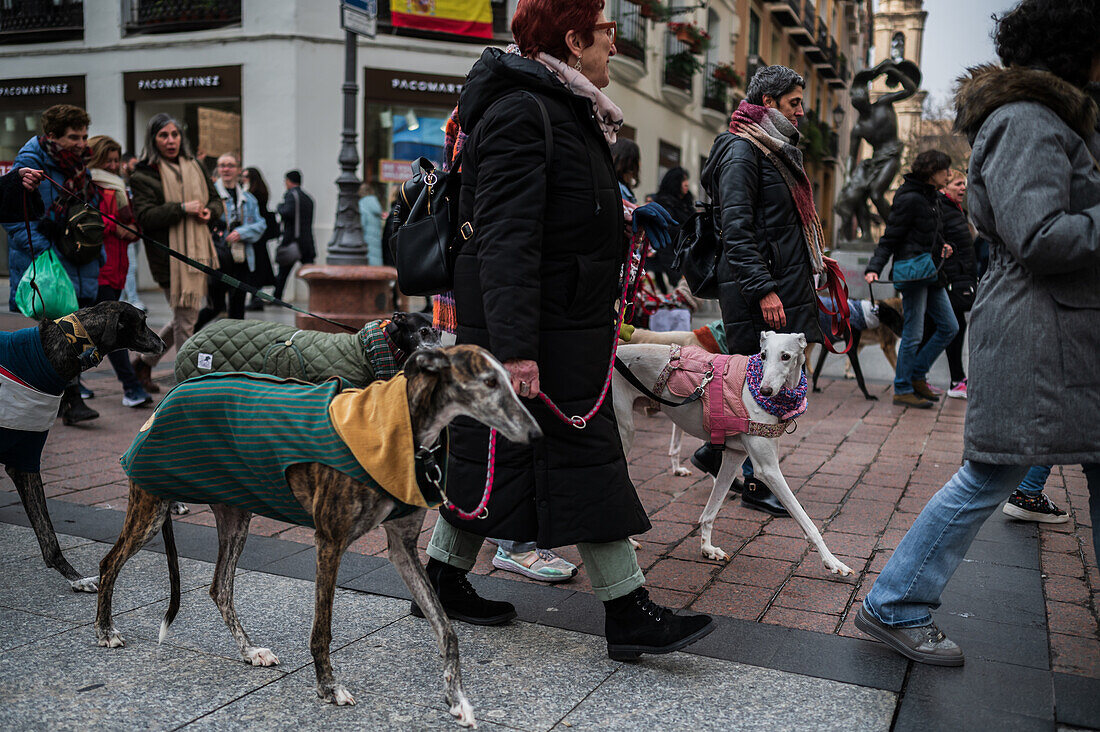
(285, 351)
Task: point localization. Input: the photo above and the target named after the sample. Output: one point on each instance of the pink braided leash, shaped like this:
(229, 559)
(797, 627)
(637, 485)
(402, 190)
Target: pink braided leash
(578, 421)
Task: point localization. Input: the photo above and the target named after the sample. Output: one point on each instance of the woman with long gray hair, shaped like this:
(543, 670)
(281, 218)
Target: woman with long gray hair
(174, 201)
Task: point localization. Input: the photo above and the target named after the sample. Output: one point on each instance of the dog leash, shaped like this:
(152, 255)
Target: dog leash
(634, 381)
(225, 279)
(838, 291)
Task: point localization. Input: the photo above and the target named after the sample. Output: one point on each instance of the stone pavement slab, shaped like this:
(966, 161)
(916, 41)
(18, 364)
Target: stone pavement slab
(522, 676)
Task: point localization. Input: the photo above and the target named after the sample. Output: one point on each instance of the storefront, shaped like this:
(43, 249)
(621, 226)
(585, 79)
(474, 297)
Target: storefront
(405, 118)
(22, 102)
(207, 101)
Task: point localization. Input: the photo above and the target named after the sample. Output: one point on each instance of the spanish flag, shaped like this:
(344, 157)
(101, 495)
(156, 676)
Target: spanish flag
(457, 17)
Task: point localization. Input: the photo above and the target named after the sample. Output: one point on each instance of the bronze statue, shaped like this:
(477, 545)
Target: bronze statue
(878, 125)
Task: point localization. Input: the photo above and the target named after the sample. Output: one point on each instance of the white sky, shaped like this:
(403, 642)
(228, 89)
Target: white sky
(956, 36)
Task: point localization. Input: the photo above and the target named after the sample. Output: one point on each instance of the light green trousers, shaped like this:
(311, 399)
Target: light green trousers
(612, 567)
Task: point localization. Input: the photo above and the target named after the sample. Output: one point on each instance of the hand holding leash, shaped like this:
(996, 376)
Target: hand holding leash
(525, 377)
(656, 221)
(871, 277)
(31, 178)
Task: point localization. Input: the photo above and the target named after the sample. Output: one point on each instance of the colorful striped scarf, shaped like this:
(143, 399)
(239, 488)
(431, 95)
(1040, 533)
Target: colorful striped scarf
(777, 138)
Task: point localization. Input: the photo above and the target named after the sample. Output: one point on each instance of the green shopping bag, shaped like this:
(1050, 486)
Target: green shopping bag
(46, 290)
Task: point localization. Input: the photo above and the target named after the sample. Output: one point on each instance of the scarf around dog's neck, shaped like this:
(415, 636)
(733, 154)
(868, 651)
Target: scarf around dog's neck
(787, 404)
(777, 138)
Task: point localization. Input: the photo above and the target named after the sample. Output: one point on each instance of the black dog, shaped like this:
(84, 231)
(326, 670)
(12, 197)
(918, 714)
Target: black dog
(40, 361)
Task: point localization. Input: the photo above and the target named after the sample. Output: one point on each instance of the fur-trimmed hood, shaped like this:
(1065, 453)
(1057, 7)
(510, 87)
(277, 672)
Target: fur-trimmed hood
(986, 88)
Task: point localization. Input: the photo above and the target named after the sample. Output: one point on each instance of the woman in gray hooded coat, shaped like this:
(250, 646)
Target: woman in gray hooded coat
(1035, 326)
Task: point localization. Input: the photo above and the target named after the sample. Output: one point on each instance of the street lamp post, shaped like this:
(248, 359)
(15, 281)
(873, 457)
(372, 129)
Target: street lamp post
(347, 245)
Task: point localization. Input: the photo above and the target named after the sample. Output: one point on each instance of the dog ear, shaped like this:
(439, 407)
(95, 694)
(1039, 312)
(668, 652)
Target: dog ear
(765, 335)
(801, 340)
(428, 361)
(398, 318)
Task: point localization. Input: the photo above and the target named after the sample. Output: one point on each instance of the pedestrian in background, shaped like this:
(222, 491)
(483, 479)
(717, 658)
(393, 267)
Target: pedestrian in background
(675, 195)
(914, 229)
(240, 227)
(960, 273)
(263, 275)
(627, 158)
(370, 220)
(61, 152)
(536, 284)
(772, 242)
(1034, 391)
(133, 249)
(174, 202)
(105, 165)
(296, 215)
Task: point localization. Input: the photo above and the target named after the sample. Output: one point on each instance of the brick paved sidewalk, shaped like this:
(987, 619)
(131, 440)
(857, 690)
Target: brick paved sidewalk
(861, 469)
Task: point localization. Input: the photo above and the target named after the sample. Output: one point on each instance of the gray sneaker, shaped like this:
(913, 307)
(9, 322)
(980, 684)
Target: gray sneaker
(924, 644)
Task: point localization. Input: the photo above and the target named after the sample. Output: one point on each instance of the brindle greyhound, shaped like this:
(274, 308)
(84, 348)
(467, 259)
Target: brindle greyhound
(442, 385)
(109, 326)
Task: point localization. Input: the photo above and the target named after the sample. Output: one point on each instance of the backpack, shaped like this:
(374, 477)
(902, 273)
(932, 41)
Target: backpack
(427, 233)
(699, 244)
(81, 239)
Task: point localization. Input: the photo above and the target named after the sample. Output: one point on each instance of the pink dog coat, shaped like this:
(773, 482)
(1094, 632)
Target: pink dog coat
(724, 413)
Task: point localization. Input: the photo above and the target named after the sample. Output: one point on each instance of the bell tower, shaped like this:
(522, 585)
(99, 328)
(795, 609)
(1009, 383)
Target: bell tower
(899, 33)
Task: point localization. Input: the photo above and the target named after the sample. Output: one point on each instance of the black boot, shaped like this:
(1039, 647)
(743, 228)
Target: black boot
(72, 408)
(759, 497)
(709, 459)
(459, 598)
(634, 625)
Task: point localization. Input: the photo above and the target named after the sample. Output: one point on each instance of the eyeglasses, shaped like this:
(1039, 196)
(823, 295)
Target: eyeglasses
(611, 28)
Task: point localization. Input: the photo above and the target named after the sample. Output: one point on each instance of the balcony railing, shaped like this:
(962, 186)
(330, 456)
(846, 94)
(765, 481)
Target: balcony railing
(674, 75)
(631, 38)
(171, 16)
(716, 95)
(41, 21)
(809, 21)
(786, 12)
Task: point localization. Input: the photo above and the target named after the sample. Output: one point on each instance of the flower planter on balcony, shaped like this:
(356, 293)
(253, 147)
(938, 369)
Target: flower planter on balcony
(653, 10)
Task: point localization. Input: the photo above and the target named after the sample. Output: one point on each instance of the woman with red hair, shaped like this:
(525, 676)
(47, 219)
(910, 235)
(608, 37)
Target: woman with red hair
(536, 282)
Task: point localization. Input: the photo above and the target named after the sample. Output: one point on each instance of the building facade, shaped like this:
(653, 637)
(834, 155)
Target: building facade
(263, 78)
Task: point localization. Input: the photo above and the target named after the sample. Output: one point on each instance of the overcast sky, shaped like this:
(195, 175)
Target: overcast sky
(956, 36)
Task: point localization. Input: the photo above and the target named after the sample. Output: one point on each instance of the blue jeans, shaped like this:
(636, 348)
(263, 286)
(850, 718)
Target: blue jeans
(910, 585)
(913, 360)
(1036, 478)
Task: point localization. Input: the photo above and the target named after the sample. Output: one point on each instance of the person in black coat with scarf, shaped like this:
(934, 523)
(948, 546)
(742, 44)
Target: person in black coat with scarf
(771, 236)
(915, 229)
(536, 284)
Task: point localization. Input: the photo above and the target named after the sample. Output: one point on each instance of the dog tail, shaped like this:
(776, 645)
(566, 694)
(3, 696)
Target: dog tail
(173, 577)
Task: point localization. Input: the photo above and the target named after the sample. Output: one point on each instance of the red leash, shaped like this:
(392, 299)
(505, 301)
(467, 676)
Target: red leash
(578, 421)
(839, 319)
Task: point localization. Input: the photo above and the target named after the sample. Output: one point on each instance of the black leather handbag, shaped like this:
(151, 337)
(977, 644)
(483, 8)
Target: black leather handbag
(427, 233)
(424, 241)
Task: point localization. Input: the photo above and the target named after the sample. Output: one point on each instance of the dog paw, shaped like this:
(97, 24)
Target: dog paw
(111, 639)
(464, 712)
(259, 656)
(634, 543)
(88, 584)
(341, 697)
(712, 552)
(180, 509)
(835, 566)
(681, 472)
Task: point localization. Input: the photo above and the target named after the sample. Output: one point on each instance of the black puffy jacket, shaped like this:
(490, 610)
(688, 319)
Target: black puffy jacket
(764, 247)
(914, 226)
(538, 280)
(960, 270)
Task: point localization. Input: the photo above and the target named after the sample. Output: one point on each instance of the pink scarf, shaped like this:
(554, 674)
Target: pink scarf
(608, 116)
(777, 138)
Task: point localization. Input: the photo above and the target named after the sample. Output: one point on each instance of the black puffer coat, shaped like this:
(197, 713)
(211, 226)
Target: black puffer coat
(914, 226)
(960, 270)
(538, 280)
(765, 249)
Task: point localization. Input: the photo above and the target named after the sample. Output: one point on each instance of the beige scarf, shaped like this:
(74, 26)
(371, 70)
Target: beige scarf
(185, 180)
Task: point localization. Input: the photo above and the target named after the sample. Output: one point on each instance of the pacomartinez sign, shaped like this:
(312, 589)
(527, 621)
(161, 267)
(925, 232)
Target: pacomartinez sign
(40, 93)
(406, 87)
(197, 83)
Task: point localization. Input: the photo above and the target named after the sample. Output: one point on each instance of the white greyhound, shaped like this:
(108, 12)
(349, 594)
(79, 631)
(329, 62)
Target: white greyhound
(782, 356)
